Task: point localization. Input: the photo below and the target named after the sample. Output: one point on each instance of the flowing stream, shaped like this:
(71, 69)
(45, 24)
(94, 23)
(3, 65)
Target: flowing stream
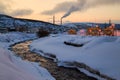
(60, 73)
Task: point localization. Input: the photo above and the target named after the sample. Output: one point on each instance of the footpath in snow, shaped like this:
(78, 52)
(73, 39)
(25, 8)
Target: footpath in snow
(12, 67)
(99, 53)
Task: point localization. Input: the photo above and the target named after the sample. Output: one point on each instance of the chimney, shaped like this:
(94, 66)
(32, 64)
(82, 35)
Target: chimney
(61, 20)
(54, 19)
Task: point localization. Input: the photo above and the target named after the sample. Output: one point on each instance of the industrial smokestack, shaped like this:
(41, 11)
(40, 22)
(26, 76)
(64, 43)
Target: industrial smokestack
(54, 19)
(61, 20)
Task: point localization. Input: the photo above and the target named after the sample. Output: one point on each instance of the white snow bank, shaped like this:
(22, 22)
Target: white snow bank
(13, 37)
(100, 53)
(12, 68)
(16, 36)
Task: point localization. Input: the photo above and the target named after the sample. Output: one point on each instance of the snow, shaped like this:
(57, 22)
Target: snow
(90, 74)
(70, 25)
(14, 37)
(15, 69)
(100, 53)
(12, 67)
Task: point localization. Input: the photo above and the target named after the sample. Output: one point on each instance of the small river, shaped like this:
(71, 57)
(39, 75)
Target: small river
(60, 73)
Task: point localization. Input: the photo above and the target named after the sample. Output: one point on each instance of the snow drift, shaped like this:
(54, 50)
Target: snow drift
(12, 67)
(100, 53)
(15, 69)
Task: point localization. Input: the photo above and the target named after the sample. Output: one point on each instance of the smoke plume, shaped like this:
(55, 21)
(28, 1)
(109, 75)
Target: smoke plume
(62, 7)
(79, 5)
(76, 7)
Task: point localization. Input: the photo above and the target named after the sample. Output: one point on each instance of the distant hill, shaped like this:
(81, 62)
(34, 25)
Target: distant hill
(11, 22)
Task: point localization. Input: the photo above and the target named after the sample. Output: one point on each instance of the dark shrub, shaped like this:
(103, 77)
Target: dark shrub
(42, 33)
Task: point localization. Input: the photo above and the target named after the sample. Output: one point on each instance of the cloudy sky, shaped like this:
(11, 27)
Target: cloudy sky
(70, 10)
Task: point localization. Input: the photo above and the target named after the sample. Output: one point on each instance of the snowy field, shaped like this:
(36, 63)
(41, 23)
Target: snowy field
(12, 67)
(100, 53)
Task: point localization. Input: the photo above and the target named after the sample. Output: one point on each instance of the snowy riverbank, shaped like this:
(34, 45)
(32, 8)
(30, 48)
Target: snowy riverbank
(100, 53)
(12, 67)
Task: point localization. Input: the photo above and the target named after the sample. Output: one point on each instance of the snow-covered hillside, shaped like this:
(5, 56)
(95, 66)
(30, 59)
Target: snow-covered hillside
(99, 53)
(10, 22)
(12, 67)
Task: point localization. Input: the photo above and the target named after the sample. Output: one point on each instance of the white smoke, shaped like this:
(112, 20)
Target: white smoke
(61, 7)
(79, 5)
(76, 7)
(86, 4)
